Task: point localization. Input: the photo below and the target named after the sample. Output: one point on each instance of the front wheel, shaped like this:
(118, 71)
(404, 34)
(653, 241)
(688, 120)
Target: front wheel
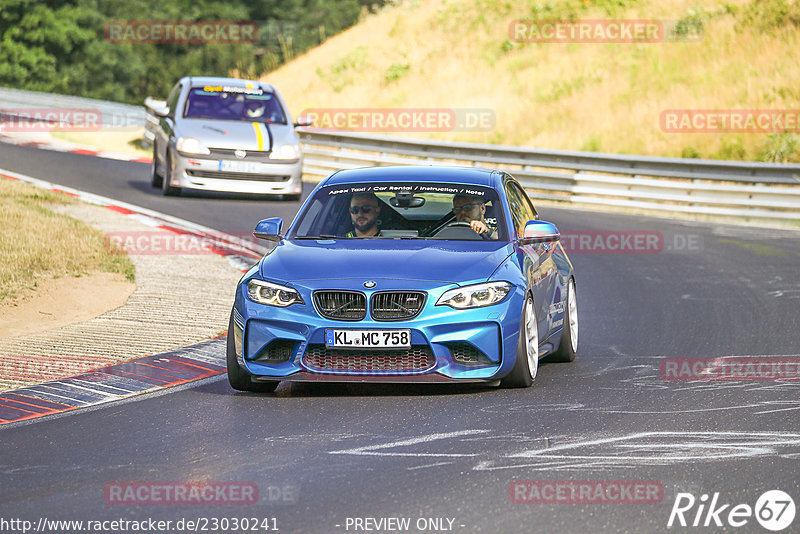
(527, 363)
(237, 377)
(569, 336)
(156, 179)
(167, 189)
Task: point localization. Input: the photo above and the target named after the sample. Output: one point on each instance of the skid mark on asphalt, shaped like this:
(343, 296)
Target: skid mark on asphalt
(608, 452)
(115, 382)
(651, 449)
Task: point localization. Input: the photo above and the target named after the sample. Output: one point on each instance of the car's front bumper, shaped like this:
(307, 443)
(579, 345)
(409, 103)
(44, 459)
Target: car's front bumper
(477, 345)
(201, 173)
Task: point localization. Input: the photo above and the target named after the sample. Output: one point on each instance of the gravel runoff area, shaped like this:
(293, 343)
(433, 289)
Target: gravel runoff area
(179, 299)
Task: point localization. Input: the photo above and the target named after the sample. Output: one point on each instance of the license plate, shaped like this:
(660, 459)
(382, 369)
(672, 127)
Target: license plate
(240, 166)
(369, 339)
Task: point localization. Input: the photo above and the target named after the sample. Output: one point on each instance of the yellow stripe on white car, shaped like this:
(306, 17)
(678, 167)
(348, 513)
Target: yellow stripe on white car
(259, 129)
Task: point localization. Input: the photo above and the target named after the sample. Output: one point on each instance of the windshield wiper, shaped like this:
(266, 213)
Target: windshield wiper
(321, 236)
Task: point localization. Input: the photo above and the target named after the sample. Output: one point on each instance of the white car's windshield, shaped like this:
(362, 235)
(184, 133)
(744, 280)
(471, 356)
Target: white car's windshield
(233, 103)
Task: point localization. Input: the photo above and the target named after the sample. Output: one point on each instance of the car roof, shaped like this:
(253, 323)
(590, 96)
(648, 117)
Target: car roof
(231, 82)
(417, 173)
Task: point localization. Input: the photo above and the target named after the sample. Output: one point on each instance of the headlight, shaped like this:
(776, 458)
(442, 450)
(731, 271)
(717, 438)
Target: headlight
(285, 152)
(190, 145)
(272, 294)
(475, 296)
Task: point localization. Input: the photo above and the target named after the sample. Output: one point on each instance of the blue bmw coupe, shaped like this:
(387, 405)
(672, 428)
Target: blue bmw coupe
(406, 274)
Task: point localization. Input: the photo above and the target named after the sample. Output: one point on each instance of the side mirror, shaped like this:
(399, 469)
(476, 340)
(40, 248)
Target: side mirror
(161, 111)
(269, 229)
(158, 107)
(304, 120)
(540, 232)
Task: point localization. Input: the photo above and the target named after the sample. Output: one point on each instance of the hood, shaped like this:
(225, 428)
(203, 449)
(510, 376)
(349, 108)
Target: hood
(250, 136)
(454, 262)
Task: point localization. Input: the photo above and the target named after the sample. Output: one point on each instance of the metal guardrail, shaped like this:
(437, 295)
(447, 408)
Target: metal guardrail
(709, 187)
(114, 116)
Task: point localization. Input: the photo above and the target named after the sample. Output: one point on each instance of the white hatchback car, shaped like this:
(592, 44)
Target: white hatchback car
(226, 134)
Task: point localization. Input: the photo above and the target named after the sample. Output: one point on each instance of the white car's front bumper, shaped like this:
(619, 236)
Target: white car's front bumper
(284, 178)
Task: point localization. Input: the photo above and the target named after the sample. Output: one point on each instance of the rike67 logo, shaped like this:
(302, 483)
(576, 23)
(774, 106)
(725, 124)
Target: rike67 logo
(774, 510)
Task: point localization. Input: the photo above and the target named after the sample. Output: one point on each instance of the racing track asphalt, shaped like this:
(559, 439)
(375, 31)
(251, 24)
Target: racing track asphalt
(322, 453)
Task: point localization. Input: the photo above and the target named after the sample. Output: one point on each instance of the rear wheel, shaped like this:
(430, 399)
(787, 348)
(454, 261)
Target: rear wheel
(569, 336)
(167, 189)
(238, 378)
(155, 178)
(527, 363)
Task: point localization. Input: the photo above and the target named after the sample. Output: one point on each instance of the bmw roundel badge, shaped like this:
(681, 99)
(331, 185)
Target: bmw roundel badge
(369, 284)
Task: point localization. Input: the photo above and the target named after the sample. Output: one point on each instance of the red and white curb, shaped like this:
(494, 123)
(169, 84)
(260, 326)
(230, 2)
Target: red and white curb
(72, 149)
(239, 253)
(147, 374)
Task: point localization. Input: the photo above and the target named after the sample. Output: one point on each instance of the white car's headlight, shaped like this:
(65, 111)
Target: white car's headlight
(285, 152)
(190, 145)
(272, 294)
(475, 296)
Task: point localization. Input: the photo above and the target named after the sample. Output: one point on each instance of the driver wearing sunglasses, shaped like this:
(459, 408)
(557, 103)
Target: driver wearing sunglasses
(472, 209)
(364, 211)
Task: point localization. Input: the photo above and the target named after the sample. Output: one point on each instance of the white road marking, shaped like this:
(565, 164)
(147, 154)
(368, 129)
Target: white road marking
(370, 450)
(437, 464)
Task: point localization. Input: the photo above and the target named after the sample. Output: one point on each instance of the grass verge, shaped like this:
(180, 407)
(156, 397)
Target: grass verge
(37, 243)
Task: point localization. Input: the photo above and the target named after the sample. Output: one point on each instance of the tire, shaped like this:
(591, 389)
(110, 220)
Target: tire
(569, 335)
(237, 377)
(167, 189)
(291, 198)
(527, 362)
(156, 180)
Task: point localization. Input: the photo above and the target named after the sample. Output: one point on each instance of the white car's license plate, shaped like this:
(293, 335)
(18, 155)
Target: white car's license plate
(240, 166)
(370, 339)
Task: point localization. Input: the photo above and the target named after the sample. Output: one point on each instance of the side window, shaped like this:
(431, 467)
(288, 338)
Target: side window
(530, 211)
(531, 207)
(521, 209)
(311, 215)
(172, 99)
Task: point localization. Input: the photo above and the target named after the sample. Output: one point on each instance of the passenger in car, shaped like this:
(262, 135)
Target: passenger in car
(472, 209)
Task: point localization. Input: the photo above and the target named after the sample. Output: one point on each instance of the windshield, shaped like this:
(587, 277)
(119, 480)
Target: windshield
(402, 210)
(234, 103)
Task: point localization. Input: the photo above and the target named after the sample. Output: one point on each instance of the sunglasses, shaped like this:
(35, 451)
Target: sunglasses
(355, 210)
(465, 207)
